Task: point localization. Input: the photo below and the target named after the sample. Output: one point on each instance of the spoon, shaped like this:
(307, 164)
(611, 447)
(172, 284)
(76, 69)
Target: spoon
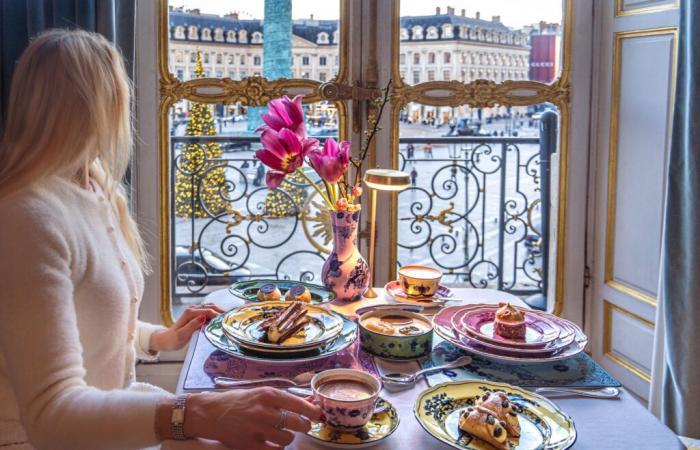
(301, 380)
(608, 392)
(302, 392)
(405, 380)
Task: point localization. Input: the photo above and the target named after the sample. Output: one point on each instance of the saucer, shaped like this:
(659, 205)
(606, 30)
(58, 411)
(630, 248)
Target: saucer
(379, 428)
(395, 291)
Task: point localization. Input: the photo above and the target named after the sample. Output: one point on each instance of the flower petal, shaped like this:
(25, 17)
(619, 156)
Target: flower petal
(269, 159)
(274, 178)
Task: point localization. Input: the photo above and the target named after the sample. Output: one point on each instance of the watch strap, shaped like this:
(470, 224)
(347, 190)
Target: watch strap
(177, 419)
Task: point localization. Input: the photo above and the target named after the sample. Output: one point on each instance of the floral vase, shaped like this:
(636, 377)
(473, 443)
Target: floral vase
(345, 272)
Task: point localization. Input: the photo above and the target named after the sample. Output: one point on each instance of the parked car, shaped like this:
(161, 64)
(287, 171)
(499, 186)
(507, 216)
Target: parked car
(214, 264)
(467, 127)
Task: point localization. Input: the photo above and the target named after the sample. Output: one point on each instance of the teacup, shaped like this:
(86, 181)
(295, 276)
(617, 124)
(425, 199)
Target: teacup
(347, 397)
(419, 281)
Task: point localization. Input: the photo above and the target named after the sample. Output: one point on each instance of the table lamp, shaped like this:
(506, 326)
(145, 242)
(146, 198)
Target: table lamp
(380, 180)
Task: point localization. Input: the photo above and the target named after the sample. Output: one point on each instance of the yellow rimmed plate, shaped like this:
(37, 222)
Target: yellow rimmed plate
(543, 424)
(378, 429)
(241, 325)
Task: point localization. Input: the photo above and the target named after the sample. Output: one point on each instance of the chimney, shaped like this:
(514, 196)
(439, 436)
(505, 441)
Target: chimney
(464, 12)
(312, 17)
(450, 11)
(495, 18)
(478, 15)
(437, 10)
(194, 11)
(232, 15)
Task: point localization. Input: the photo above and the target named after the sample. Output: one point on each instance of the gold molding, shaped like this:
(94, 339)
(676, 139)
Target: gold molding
(608, 308)
(252, 91)
(621, 12)
(609, 278)
(485, 93)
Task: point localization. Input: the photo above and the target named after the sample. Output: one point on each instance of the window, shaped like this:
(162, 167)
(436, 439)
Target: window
(446, 75)
(219, 73)
(431, 58)
(192, 33)
(417, 33)
(321, 61)
(257, 38)
(243, 37)
(416, 77)
(206, 34)
(322, 76)
(229, 59)
(219, 35)
(402, 58)
(447, 57)
(416, 58)
(231, 36)
(178, 56)
(431, 75)
(180, 32)
(180, 74)
(206, 58)
(243, 74)
(232, 74)
(431, 33)
(242, 59)
(404, 34)
(304, 60)
(219, 58)
(335, 37)
(447, 31)
(322, 38)
(256, 60)
(305, 75)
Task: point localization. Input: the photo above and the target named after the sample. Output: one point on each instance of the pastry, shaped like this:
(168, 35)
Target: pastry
(269, 292)
(483, 425)
(285, 323)
(509, 322)
(298, 293)
(498, 404)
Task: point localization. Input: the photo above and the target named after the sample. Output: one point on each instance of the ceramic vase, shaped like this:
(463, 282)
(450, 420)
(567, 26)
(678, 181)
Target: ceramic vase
(345, 272)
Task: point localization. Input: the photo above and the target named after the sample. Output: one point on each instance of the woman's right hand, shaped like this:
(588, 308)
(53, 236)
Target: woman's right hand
(249, 419)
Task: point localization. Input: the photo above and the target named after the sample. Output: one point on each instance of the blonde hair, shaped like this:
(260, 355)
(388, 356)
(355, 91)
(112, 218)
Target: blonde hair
(70, 104)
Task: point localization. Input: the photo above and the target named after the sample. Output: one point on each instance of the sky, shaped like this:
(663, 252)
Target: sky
(514, 13)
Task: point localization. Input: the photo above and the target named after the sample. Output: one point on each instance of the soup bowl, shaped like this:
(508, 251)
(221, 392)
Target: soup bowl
(419, 281)
(343, 405)
(384, 334)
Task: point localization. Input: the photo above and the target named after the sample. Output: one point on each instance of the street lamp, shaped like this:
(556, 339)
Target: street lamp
(381, 180)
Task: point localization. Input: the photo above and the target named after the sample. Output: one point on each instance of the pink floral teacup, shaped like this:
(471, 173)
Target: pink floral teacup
(347, 397)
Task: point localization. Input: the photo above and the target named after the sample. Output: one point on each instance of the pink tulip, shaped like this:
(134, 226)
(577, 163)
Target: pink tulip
(331, 162)
(341, 205)
(283, 152)
(285, 113)
(356, 191)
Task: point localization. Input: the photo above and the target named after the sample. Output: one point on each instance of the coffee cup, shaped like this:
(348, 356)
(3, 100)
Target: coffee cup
(419, 281)
(347, 397)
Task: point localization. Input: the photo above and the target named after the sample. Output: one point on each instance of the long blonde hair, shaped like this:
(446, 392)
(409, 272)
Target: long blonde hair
(69, 105)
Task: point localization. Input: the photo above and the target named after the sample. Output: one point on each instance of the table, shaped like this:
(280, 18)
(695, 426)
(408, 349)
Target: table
(601, 424)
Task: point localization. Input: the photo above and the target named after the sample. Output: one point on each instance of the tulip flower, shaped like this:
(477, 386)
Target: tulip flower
(356, 190)
(285, 113)
(331, 162)
(341, 205)
(283, 152)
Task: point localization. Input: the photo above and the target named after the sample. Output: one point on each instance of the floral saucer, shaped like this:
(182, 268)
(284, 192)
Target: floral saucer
(395, 291)
(379, 428)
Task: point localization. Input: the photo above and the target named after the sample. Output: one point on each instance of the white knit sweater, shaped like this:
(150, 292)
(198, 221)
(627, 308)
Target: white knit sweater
(69, 335)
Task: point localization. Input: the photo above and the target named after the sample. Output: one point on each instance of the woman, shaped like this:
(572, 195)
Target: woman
(71, 263)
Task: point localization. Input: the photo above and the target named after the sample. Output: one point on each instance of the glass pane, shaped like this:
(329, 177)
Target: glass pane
(226, 224)
(495, 40)
(239, 38)
(478, 206)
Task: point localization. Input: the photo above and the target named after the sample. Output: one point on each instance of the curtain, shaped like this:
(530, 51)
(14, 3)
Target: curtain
(680, 273)
(20, 20)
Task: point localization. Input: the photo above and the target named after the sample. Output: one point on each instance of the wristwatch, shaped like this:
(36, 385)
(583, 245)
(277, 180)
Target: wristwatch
(177, 419)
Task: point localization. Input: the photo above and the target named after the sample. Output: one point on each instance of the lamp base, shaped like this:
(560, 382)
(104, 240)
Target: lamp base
(370, 293)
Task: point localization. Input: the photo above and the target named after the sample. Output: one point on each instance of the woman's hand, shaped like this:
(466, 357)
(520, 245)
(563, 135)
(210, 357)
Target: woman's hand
(250, 419)
(178, 335)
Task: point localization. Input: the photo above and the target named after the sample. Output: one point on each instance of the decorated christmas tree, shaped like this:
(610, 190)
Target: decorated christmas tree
(279, 204)
(197, 182)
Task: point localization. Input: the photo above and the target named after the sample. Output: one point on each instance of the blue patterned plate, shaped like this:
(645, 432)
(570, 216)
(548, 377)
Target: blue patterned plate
(248, 290)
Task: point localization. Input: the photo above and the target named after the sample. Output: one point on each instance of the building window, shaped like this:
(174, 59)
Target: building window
(178, 56)
(206, 73)
(446, 75)
(447, 57)
(431, 75)
(322, 76)
(402, 58)
(232, 74)
(257, 38)
(230, 36)
(447, 31)
(219, 58)
(336, 60)
(243, 74)
(321, 60)
(403, 75)
(431, 33)
(243, 37)
(305, 75)
(206, 34)
(242, 59)
(416, 58)
(304, 60)
(416, 77)
(431, 58)
(256, 60)
(206, 58)
(335, 37)
(192, 33)
(193, 57)
(322, 38)
(404, 34)
(219, 35)
(180, 32)
(219, 73)
(229, 59)
(180, 74)
(417, 32)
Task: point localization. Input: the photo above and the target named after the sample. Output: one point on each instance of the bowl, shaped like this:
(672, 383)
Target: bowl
(396, 345)
(419, 281)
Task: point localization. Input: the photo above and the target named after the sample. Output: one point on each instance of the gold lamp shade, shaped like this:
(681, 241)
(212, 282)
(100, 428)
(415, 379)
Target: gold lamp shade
(387, 179)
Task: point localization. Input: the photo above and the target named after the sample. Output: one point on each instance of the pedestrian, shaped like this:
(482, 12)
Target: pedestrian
(429, 150)
(410, 150)
(259, 176)
(414, 175)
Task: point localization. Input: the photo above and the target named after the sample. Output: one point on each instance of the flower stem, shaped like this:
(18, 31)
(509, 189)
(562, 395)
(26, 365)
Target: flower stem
(323, 196)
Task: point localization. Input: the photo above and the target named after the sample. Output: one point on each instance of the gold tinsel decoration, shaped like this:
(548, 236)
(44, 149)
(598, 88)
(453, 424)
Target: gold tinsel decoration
(279, 204)
(194, 166)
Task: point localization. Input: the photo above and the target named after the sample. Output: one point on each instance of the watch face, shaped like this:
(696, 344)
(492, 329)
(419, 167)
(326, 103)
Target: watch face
(178, 416)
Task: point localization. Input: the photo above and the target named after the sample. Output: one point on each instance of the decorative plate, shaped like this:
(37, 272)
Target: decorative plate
(479, 323)
(543, 424)
(395, 291)
(215, 334)
(241, 324)
(442, 326)
(379, 428)
(248, 290)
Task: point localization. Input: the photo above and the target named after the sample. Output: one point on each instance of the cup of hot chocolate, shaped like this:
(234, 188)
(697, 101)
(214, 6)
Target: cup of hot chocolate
(347, 397)
(419, 281)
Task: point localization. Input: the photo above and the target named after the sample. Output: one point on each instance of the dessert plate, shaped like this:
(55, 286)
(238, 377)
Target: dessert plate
(543, 424)
(479, 323)
(379, 428)
(242, 324)
(215, 334)
(394, 289)
(248, 290)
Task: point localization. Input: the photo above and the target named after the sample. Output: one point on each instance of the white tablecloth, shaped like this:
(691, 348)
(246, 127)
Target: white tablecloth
(620, 424)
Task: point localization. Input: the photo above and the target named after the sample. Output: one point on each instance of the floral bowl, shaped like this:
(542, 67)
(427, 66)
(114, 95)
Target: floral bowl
(397, 345)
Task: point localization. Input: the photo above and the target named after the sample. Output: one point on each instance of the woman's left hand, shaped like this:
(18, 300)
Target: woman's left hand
(178, 335)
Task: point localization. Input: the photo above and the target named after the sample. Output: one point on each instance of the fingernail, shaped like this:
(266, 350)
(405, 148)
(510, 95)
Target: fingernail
(202, 318)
